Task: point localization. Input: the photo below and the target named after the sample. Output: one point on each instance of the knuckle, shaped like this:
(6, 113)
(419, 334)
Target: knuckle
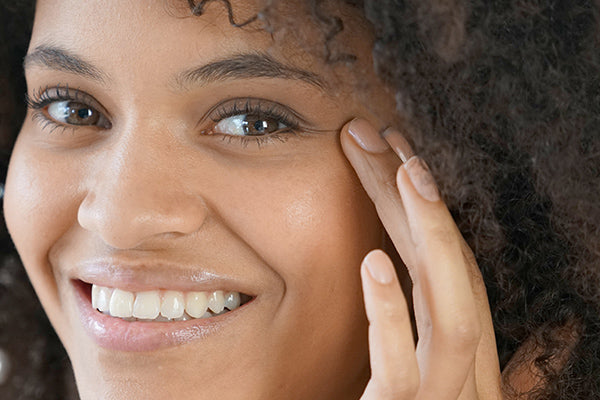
(463, 334)
(467, 335)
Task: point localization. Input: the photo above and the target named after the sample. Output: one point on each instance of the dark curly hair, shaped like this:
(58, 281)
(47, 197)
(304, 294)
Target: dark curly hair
(503, 99)
(507, 97)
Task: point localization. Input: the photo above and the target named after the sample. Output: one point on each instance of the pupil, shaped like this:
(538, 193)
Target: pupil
(84, 113)
(260, 126)
(80, 114)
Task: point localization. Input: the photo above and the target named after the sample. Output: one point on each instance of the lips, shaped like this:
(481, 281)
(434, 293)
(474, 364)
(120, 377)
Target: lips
(145, 308)
(134, 336)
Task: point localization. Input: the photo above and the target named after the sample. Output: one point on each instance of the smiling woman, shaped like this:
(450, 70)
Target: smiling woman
(191, 176)
(199, 202)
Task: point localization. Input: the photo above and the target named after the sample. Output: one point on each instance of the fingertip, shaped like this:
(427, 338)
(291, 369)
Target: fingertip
(379, 267)
(420, 178)
(366, 136)
(398, 143)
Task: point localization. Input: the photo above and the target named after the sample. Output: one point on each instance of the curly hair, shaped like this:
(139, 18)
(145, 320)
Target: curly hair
(507, 97)
(503, 100)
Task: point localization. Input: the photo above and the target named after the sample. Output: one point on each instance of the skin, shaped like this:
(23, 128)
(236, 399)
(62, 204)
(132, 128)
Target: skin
(295, 217)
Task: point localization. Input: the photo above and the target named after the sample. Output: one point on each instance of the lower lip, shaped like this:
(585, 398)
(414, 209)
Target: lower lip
(117, 334)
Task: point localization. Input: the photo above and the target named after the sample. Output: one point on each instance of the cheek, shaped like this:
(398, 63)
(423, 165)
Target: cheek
(40, 199)
(330, 220)
(311, 223)
(38, 207)
(313, 226)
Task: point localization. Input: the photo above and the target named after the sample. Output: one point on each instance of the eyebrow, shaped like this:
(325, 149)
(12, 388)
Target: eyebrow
(62, 60)
(239, 66)
(246, 66)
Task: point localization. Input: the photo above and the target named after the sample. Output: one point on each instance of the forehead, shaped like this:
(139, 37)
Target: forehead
(117, 34)
(146, 42)
(166, 30)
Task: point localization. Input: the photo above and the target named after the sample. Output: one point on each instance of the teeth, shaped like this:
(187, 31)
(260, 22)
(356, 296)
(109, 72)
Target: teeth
(146, 305)
(216, 302)
(158, 306)
(101, 298)
(172, 304)
(232, 300)
(196, 303)
(121, 304)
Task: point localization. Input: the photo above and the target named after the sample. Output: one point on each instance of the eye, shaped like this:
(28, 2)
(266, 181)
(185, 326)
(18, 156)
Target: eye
(61, 106)
(249, 125)
(260, 119)
(70, 112)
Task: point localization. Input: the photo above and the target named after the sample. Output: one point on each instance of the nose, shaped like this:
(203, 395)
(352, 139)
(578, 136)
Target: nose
(137, 192)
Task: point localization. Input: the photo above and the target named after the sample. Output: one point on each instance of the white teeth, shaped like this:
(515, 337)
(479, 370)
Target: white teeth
(196, 303)
(232, 300)
(101, 298)
(146, 305)
(121, 304)
(172, 304)
(216, 302)
(162, 306)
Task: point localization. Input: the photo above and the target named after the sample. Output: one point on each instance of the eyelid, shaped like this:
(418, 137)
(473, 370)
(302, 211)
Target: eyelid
(246, 105)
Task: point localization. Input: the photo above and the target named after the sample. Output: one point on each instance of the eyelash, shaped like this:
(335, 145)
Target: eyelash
(43, 97)
(256, 107)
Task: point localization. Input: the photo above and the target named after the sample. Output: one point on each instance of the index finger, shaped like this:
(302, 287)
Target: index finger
(376, 164)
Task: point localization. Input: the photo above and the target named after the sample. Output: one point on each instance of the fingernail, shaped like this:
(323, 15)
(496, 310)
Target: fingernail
(398, 143)
(379, 266)
(421, 178)
(366, 136)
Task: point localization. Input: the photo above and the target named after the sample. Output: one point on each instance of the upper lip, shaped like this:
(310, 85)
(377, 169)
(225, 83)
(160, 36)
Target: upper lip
(142, 275)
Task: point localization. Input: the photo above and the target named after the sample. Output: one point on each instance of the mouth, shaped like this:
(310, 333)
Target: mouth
(148, 320)
(164, 305)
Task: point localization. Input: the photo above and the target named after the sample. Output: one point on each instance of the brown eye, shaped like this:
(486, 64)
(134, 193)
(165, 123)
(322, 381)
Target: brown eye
(249, 125)
(256, 126)
(74, 113)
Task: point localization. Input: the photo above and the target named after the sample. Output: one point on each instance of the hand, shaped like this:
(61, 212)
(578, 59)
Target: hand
(455, 356)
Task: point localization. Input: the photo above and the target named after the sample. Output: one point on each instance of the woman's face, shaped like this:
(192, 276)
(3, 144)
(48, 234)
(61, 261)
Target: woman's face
(132, 172)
